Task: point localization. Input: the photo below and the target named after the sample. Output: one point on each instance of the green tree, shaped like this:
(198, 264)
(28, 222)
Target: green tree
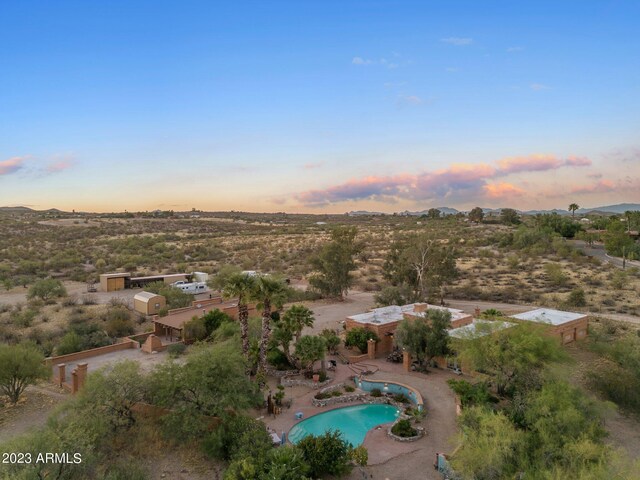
(427, 337)
(331, 339)
(310, 349)
(112, 394)
(222, 278)
(491, 446)
(47, 289)
(210, 382)
(213, 320)
(286, 463)
(242, 287)
(434, 213)
(515, 357)
(476, 215)
(269, 292)
(326, 454)
(358, 337)
(290, 326)
(572, 208)
(335, 262)
(20, 366)
(509, 216)
(175, 297)
(616, 240)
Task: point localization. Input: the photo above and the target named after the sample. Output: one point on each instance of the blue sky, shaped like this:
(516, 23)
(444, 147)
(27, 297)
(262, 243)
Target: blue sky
(330, 106)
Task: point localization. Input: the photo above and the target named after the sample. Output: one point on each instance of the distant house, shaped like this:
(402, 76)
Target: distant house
(384, 321)
(569, 326)
(148, 303)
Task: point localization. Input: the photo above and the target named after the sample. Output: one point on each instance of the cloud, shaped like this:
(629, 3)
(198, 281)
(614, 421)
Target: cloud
(12, 165)
(410, 100)
(502, 190)
(574, 161)
(59, 166)
(532, 163)
(457, 41)
(457, 182)
(364, 62)
(539, 86)
(601, 186)
(361, 61)
(311, 166)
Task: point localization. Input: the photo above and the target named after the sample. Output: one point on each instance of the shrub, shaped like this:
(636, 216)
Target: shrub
(349, 388)
(47, 289)
(118, 327)
(326, 454)
(401, 398)
(358, 337)
(278, 359)
(376, 392)
(195, 329)
(555, 274)
(403, 428)
(336, 393)
(577, 298)
(176, 349)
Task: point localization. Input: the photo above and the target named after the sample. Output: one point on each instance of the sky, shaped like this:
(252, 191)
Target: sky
(320, 107)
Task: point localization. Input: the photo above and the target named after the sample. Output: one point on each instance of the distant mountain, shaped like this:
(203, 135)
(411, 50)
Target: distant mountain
(17, 209)
(364, 212)
(619, 208)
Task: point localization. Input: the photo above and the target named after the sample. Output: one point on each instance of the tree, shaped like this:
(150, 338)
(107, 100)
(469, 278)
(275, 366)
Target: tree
(269, 291)
(358, 337)
(509, 216)
(209, 383)
(515, 357)
(290, 326)
(47, 289)
(434, 213)
(220, 279)
(20, 366)
(309, 349)
(175, 297)
(476, 215)
(286, 463)
(572, 208)
(113, 394)
(326, 454)
(335, 262)
(242, 287)
(617, 242)
(426, 337)
(331, 339)
(213, 319)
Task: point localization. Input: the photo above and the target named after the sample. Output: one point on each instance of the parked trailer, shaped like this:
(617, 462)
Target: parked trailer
(193, 287)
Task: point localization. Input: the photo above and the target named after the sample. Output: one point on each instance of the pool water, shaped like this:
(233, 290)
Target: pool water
(353, 422)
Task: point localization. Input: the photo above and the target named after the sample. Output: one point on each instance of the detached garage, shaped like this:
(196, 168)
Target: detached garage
(148, 303)
(112, 282)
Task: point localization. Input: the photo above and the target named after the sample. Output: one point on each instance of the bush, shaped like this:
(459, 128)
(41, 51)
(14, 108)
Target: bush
(176, 349)
(555, 274)
(47, 289)
(577, 298)
(358, 337)
(119, 327)
(403, 429)
(278, 360)
(195, 329)
(376, 392)
(401, 398)
(326, 454)
(349, 388)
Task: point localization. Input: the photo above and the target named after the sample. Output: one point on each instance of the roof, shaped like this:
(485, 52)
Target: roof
(170, 275)
(178, 319)
(549, 316)
(145, 296)
(395, 313)
(479, 328)
(114, 275)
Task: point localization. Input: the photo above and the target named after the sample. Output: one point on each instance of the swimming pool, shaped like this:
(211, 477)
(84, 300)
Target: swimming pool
(392, 388)
(353, 422)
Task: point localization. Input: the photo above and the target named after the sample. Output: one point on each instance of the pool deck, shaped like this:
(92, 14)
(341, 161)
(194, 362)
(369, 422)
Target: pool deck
(389, 459)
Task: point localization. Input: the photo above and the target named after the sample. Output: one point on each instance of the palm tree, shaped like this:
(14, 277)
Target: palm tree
(242, 287)
(573, 207)
(269, 291)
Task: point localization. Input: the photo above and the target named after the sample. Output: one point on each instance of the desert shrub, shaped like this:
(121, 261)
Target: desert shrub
(376, 392)
(195, 329)
(358, 337)
(469, 393)
(47, 289)
(401, 398)
(349, 388)
(25, 318)
(326, 454)
(89, 300)
(119, 327)
(322, 396)
(70, 301)
(71, 342)
(577, 298)
(176, 349)
(555, 274)
(403, 428)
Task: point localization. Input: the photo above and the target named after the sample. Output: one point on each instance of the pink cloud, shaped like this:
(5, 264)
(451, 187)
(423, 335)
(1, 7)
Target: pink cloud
(59, 166)
(502, 190)
(11, 165)
(531, 163)
(601, 186)
(574, 161)
(311, 166)
(459, 181)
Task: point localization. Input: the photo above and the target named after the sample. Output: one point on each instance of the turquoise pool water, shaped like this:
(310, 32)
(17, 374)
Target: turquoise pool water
(353, 422)
(388, 387)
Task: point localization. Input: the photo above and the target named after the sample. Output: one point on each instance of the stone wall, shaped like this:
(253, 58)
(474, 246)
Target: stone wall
(303, 382)
(420, 430)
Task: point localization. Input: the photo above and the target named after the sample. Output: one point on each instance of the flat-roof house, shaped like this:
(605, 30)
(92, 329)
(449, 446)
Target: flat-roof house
(384, 321)
(569, 326)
